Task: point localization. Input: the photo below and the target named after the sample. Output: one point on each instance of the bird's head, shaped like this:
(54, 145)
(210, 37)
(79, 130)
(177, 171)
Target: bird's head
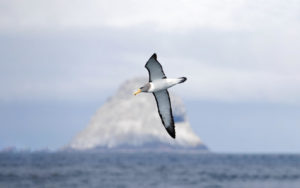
(144, 88)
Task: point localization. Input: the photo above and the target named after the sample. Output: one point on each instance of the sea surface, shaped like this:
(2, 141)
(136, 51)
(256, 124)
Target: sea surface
(147, 169)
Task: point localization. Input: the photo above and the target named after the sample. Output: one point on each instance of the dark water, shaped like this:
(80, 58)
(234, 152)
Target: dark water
(145, 170)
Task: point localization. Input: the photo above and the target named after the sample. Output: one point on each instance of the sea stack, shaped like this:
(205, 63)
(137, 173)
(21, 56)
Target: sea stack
(132, 122)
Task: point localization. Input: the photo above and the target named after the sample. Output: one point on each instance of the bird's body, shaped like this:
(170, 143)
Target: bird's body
(162, 84)
(158, 85)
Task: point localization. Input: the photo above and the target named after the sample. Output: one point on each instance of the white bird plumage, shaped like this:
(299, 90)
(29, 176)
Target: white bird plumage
(161, 84)
(158, 85)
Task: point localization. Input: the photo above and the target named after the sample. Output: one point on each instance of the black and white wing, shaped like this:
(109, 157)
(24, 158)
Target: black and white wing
(165, 111)
(154, 68)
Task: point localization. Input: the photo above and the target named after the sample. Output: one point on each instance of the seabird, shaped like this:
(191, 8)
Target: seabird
(158, 85)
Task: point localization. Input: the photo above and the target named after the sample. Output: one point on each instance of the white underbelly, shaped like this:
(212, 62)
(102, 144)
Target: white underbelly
(162, 84)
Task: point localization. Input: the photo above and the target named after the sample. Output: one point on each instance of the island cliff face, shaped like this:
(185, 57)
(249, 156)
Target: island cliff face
(126, 121)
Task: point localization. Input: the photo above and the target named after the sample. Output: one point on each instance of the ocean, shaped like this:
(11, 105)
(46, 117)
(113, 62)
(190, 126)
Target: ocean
(148, 169)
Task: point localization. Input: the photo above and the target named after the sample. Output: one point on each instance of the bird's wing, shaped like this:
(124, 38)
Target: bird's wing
(154, 68)
(165, 111)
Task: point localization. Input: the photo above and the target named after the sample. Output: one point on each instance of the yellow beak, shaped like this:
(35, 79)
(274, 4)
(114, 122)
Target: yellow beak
(138, 91)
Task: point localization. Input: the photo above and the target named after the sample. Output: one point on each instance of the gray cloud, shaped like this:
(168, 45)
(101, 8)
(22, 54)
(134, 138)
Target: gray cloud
(89, 64)
(164, 15)
(241, 50)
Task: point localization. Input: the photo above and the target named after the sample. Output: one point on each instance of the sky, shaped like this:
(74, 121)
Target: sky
(60, 60)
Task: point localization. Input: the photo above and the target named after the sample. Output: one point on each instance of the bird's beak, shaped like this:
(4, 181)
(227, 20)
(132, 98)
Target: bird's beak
(138, 91)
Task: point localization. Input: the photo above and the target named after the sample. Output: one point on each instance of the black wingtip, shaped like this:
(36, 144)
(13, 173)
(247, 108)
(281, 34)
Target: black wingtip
(183, 79)
(154, 56)
(171, 131)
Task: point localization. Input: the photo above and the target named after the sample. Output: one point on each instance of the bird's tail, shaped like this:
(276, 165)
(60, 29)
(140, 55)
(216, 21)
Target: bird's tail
(182, 79)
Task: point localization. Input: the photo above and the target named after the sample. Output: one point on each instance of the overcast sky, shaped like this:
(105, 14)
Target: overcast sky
(232, 51)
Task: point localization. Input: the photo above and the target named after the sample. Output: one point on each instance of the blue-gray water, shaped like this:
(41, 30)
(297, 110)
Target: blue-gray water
(135, 170)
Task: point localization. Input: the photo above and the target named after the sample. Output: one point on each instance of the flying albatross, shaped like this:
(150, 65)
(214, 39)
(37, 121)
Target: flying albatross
(158, 85)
